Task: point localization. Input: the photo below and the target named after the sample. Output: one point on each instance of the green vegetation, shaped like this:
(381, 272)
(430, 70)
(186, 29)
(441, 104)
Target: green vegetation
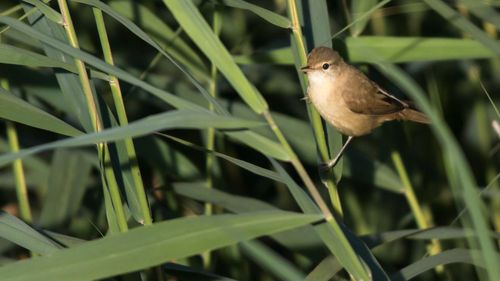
(169, 140)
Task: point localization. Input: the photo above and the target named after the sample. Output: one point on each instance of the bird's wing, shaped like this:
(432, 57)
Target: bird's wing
(366, 97)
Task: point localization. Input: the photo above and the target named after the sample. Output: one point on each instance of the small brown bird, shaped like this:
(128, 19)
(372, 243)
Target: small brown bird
(349, 100)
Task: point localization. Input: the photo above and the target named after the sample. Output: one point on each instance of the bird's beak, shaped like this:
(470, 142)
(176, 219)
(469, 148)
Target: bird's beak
(305, 69)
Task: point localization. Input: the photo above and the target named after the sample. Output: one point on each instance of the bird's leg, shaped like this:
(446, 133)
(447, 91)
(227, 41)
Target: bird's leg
(330, 164)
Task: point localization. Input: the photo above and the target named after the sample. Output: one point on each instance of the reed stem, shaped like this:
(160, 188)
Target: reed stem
(114, 84)
(315, 118)
(102, 148)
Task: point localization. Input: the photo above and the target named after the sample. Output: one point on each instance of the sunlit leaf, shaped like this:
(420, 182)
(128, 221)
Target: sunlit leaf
(197, 28)
(171, 120)
(155, 244)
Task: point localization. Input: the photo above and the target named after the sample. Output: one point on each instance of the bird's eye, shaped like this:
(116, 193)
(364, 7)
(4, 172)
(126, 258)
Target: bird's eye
(325, 66)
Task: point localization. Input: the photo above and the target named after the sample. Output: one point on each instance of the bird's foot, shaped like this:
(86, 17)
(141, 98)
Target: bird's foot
(328, 165)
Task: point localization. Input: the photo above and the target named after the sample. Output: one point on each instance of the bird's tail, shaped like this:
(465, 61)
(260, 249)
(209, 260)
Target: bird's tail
(413, 115)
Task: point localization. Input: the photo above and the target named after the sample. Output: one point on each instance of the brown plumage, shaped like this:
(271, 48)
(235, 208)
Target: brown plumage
(349, 100)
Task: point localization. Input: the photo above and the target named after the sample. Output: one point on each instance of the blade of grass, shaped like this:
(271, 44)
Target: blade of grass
(260, 143)
(46, 10)
(243, 164)
(188, 16)
(390, 49)
(17, 110)
(156, 244)
(18, 232)
(325, 270)
(15, 55)
(66, 240)
(441, 233)
(300, 238)
(463, 24)
(265, 14)
(185, 119)
(240, 204)
(401, 49)
(443, 258)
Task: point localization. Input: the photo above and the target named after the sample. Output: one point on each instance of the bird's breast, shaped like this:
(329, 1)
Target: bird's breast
(326, 96)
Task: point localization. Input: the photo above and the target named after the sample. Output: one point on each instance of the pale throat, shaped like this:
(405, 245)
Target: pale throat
(321, 85)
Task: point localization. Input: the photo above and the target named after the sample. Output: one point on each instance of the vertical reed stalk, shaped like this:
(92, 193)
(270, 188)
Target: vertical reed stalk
(314, 116)
(82, 72)
(17, 166)
(422, 218)
(114, 84)
(94, 117)
(109, 181)
(210, 141)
